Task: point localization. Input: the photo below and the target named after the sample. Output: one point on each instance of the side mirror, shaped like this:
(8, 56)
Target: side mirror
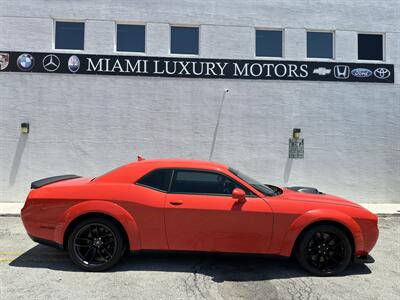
(239, 195)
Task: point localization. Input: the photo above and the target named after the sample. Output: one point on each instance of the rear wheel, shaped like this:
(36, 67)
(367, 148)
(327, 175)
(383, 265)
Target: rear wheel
(96, 244)
(324, 250)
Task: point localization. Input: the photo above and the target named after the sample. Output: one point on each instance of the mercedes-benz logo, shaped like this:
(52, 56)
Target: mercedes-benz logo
(51, 63)
(382, 73)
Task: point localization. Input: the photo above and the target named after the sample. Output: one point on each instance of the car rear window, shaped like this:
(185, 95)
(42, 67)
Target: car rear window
(158, 179)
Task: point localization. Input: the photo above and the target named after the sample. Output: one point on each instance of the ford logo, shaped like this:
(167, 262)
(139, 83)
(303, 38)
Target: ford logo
(361, 72)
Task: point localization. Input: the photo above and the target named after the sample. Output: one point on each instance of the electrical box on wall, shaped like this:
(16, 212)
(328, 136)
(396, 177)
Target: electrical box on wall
(296, 145)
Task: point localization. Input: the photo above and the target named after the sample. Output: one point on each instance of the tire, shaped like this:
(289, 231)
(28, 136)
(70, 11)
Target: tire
(324, 250)
(96, 244)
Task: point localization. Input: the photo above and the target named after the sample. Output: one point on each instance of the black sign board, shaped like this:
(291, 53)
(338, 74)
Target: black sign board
(194, 67)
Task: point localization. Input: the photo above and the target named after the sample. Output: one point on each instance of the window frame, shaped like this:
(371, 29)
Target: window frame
(184, 26)
(252, 195)
(151, 187)
(333, 45)
(55, 33)
(282, 30)
(116, 23)
(383, 34)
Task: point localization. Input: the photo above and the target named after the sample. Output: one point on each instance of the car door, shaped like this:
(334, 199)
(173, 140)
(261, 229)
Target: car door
(201, 215)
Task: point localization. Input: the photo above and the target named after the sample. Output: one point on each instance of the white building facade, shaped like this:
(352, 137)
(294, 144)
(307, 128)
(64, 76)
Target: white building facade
(89, 121)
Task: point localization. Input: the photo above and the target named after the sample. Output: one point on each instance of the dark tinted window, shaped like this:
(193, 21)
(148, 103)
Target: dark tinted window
(202, 182)
(157, 179)
(130, 38)
(70, 35)
(269, 43)
(184, 40)
(370, 46)
(320, 44)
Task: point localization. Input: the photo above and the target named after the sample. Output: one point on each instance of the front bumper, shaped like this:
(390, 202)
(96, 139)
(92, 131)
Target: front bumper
(367, 259)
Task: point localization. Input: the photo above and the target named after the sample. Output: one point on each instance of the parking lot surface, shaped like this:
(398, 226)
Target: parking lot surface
(32, 271)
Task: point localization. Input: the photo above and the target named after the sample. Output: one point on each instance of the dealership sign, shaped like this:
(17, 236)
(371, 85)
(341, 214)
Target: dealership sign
(194, 67)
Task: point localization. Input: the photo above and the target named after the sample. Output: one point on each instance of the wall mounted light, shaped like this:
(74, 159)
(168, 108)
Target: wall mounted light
(25, 128)
(296, 133)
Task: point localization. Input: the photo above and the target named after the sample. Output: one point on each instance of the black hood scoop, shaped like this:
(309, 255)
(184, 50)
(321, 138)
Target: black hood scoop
(45, 181)
(305, 189)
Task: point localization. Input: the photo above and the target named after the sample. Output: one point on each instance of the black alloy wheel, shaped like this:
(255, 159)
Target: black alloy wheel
(324, 250)
(95, 244)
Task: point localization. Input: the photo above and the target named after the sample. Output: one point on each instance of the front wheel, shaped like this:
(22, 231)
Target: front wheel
(324, 250)
(95, 244)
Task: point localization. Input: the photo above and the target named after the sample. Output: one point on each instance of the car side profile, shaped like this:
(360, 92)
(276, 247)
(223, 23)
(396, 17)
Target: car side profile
(189, 205)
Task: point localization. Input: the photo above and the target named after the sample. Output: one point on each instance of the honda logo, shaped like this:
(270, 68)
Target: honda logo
(341, 71)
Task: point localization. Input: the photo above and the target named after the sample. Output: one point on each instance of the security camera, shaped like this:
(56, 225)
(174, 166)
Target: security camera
(226, 90)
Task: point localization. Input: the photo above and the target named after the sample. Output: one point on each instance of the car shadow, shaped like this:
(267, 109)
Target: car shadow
(220, 267)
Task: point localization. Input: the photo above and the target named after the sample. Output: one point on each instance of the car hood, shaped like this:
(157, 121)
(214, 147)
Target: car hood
(320, 197)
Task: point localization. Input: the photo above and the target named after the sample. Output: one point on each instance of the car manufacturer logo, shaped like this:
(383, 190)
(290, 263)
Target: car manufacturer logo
(341, 71)
(25, 62)
(51, 63)
(74, 63)
(4, 60)
(382, 73)
(322, 71)
(361, 72)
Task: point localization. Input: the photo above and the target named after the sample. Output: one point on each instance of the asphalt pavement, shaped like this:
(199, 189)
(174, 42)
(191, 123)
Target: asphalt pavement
(32, 271)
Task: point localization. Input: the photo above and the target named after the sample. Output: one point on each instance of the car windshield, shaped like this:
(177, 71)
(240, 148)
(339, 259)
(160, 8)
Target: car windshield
(262, 188)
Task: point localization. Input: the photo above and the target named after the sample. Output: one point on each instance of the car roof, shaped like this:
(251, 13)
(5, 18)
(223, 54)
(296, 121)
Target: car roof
(134, 170)
(182, 163)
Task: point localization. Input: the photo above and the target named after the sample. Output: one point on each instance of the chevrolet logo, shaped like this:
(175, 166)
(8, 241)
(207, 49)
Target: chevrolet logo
(322, 71)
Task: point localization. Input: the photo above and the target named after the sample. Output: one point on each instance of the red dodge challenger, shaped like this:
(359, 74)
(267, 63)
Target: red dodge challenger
(189, 205)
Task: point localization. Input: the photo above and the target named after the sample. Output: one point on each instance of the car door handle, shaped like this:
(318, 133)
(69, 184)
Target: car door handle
(176, 203)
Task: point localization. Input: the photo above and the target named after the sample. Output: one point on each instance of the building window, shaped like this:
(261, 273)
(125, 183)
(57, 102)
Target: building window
(70, 35)
(184, 40)
(269, 43)
(319, 44)
(130, 38)
(370, 46)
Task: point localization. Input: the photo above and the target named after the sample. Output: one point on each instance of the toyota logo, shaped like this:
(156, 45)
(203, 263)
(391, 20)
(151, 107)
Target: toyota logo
(51, 63)
(382, 73)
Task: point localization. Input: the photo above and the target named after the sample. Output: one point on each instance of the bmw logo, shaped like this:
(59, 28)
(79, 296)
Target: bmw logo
(25, 62)
(74, 63)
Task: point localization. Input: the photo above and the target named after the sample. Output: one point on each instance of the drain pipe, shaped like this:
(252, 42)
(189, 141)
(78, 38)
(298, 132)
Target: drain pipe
(217, 125)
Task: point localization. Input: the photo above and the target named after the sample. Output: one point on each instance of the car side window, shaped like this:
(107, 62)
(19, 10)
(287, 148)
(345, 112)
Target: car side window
(203, 182)
(157, 179)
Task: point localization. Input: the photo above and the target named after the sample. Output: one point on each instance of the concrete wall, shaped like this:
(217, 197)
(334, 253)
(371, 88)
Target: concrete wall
(90, 124)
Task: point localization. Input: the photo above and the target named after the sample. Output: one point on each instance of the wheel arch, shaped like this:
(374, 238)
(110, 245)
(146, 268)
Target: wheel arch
(106, 209)
(321, 216)
(325, 222)
(82, 217)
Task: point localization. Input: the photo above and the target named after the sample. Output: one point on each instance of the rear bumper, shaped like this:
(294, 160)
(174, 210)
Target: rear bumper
(46, 242)
(38, 230)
